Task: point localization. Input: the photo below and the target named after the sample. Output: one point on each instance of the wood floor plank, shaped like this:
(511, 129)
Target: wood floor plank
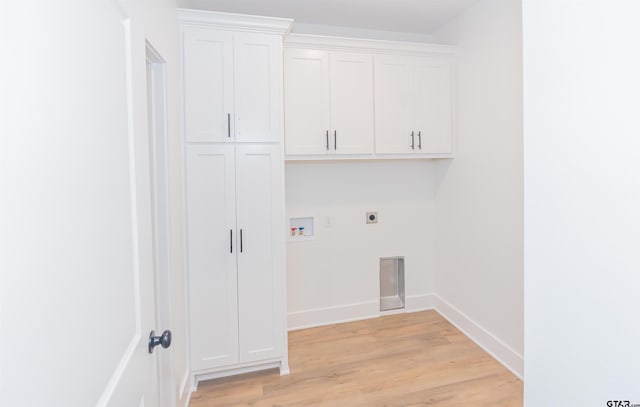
(411, 359)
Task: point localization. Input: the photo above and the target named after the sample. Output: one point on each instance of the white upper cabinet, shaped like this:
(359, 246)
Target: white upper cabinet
(433, 112)
(208, 84)
(258, 87)
(355, 98)
(394, 95)
(351, 77)
(328, 102)
(413, 106)
(306, 95)
(232, 86)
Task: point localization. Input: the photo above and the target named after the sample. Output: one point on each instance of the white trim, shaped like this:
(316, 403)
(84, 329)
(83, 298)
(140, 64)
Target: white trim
(508, 357)
(333, 315)
(131, 29)
(284, 367)
(243, 368)
(185, 231)
(368, 157)
(120, 370)
(235, 22)
(355, 312)
(156, 73)
(184, 387)
(366, 45)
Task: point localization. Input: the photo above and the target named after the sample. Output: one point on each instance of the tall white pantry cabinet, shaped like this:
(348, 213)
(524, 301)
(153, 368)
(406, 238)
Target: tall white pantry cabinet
(234, 173)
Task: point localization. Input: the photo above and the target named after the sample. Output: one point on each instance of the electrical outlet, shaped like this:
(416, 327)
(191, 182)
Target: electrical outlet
(372, 217)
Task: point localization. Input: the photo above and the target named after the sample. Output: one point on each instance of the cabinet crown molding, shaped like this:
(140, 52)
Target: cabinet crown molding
(235, 22)
(321, 42)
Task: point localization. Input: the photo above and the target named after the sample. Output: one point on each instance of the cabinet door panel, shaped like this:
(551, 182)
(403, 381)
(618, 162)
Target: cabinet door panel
(261, 260)
(208, 84)
(212, 266)
(394, 104)
(258, 87)
(433, 115)
(351, 103)
(306, 101)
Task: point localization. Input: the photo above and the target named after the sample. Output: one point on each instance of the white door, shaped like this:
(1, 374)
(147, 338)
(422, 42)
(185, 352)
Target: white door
(258, 87)
(306, 102)
(213, 244)
(261, 226)
(394, 109)
(208, 84)
(433, 114)
(351, 103)
(76, 266)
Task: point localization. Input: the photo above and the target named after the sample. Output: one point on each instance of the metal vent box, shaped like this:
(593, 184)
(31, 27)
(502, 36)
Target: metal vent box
(391, 283)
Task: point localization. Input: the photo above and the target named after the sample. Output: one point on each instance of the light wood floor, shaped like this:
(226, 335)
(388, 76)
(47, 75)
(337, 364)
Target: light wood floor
(416, 359)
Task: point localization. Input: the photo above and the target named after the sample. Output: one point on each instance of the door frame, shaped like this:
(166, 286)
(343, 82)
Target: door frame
(156, 72)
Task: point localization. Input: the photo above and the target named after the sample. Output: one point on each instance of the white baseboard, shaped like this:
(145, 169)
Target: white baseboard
(354, 312)
(333, 315)
(422, 302)
(509, 358)
(244, 368)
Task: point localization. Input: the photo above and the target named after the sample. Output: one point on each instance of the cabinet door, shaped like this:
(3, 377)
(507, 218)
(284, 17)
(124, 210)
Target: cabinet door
(208, 84)
(212, 259)
(258, 87)
(351, 103)
(433, 114)
(260, 218)
(306, 101)
(394, 105)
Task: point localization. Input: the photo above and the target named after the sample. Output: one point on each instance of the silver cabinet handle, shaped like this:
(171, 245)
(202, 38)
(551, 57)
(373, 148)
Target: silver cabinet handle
(413, 139)
(231, 240)
(420, 140)
(327, 140)
(229, 125)
(240, 240)
(335, 140)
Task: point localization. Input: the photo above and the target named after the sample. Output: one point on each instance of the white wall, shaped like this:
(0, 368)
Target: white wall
(479, 194)
(349, 32)
(582, 189)
(161, 30)
(38, 47)
(335, 276)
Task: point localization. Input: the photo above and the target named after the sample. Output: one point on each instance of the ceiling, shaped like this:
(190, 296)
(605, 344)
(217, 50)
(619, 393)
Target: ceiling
(410, 16)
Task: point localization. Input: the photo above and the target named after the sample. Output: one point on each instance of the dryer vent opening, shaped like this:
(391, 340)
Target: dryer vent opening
(391, 283)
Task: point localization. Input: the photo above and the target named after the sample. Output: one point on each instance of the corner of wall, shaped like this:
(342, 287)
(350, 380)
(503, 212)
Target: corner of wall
(500, 351)
(478, 201)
